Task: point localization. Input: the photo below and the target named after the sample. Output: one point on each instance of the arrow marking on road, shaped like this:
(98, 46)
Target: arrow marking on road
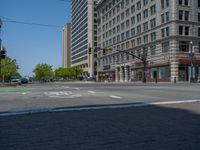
(92, 92)
(117, 97)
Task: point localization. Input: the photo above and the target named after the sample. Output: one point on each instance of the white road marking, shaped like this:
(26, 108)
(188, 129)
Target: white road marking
(77, 88)
(62, 94)
(114, 106)
(65, 87)
(92, 92)
(24, 93)
(117, 97)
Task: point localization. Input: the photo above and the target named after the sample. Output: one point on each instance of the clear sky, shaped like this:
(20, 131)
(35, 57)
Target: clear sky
(30, 44)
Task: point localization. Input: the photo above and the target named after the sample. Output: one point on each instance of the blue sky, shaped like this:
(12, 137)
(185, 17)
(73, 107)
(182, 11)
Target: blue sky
(29, 44)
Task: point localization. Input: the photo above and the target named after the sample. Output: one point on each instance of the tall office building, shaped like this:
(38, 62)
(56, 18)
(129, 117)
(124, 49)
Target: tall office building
(83, 35)
(66, 46)
(167, 31)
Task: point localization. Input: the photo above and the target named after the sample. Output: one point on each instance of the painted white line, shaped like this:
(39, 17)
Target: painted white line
(24, 93)
(117, 97)
(114, 106)
(65, 87)
(174, 102)
(92, 92)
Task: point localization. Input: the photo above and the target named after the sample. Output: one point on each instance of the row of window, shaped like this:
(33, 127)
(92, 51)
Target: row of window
(123, 57)
(152, 36)
(119, 6)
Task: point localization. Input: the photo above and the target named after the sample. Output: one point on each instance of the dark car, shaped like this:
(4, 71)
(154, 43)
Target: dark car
(24, 81)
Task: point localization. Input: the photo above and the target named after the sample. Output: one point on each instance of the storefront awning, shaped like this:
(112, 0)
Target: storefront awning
(189, 59)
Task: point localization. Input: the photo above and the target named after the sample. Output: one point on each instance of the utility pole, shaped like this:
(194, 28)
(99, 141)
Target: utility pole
(0, 47)
(191, 55)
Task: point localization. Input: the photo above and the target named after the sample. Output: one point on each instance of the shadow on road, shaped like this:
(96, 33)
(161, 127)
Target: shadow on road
(139, 128)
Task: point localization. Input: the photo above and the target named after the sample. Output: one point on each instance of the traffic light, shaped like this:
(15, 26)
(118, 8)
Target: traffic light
(89, 50)
(2, 54)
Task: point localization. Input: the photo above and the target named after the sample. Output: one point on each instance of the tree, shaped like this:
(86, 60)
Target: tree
(43, 72)
(68, 73)
(9, 68)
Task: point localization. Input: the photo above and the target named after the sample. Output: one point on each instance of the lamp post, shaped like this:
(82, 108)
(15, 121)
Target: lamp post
(191, 55)
(0, 47)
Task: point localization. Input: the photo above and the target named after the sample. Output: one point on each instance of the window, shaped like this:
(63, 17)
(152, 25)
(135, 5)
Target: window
(145, 26)
(145, 2)
(167, 3)
(122, 36)
(186, 2)
(165, 47)
(127, 34)
(153, 49)
(133, 20)
(199, 47)
(162, 18)
(199, 17)
(153, 9)
(132, 43)
(132, 9)
(138, 5)
(162, 4)
(139, 17)
(122, 16)
(187, 30)
(122, 4)
(153, 36)
(198, 3)
(127, 2)
(122, 26)
(138, 29)
(114, 21)
(153, 23)
(139, 41)
(186, 15)
(145, 13)
(180, 2)
(127, 12)
(167, 31)
(180, 15)
(184, 46)
(133, 32)
(145, 39)
(167, 16)
(163, 32)
(180, 30)
(118, 18)
(118, 28)
(198, 31)
(127, 23)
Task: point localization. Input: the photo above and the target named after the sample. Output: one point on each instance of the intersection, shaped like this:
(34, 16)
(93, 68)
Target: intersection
(100, 116)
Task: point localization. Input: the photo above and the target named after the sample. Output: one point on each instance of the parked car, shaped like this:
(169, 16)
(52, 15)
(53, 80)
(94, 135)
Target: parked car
(24, 81)
(16, 81)
(89, 79)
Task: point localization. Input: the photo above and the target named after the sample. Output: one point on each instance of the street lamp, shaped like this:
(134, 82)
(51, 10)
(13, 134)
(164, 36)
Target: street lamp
(191, 55)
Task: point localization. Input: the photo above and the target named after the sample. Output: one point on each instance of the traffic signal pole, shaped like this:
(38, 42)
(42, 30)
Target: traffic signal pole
(143, 58)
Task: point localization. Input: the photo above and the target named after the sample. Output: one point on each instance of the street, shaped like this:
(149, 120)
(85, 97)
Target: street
(100, 116)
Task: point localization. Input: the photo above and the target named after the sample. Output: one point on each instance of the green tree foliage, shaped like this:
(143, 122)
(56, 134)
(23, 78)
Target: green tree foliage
(68, 73)
(9, 68)
(43, 72)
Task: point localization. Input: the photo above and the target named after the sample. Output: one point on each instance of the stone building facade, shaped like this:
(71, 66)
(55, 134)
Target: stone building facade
(166, 30)
(84, 34)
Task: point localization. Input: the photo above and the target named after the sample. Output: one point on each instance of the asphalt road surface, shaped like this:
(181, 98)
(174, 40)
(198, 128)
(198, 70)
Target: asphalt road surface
(100, 116)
